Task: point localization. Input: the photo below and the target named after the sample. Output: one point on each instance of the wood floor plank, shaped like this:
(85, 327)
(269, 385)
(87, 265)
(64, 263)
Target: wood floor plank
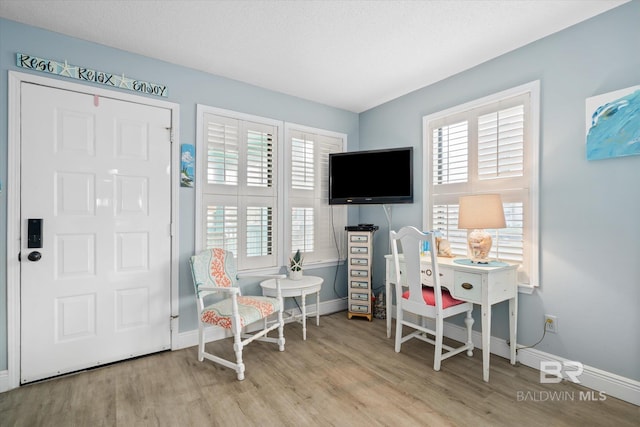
(345, 374)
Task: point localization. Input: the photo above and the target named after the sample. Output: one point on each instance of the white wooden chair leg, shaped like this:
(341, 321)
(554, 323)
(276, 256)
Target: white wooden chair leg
(200, 343)
(469, 322)
(237, 338)
(398, 330)
(237, 348)
(281, 339)
(437, 359)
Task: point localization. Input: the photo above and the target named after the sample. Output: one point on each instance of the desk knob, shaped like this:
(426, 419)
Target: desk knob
(467, 286)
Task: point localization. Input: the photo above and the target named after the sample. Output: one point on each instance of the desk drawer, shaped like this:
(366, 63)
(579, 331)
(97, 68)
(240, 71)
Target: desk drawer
(446, 276)
(467, 286)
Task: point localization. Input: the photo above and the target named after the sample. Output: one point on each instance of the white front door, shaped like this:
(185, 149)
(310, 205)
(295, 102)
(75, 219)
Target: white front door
(97, 172)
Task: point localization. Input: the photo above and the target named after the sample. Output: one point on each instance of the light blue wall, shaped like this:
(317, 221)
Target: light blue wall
(589, 211)
(187, 87)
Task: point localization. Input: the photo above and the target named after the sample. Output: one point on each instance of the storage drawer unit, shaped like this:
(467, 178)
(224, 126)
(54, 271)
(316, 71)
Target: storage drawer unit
(359, 258)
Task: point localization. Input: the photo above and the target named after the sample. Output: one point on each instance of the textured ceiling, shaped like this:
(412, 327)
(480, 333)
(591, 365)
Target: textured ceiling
(347, 54)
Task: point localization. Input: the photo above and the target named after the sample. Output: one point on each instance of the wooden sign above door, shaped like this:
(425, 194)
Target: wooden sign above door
(88, 75)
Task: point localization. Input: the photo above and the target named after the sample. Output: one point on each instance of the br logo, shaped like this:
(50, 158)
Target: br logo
(552, 371)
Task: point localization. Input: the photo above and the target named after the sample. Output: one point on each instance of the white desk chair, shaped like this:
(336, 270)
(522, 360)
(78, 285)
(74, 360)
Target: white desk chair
(424, 297)
(214, 271)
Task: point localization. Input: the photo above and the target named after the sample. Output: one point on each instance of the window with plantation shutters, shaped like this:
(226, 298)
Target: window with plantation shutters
(487, 146)
(263, 195)
(237, 186)
(315, 227)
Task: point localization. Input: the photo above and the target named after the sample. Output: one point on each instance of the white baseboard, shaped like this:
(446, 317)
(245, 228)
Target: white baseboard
(190, 338)
(596, 379)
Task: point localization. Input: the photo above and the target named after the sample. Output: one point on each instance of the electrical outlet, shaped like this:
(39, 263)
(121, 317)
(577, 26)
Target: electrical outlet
(551, 323)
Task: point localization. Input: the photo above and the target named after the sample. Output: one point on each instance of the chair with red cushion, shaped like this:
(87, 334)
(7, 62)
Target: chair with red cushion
(420, 296)
(214, 272)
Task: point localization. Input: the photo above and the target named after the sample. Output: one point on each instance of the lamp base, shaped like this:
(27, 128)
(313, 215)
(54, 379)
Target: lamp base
(478, 246)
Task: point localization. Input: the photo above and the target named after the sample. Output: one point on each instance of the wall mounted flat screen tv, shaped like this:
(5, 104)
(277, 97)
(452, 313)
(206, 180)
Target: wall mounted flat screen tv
(371, 177)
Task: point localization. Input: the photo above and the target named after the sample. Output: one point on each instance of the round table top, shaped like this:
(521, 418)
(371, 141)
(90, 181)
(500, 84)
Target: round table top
(306, 284)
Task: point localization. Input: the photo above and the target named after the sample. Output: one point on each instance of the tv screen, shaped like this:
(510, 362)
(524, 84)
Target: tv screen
(371, 177)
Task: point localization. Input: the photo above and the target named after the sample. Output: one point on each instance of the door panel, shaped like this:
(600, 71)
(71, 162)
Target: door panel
(98, 172)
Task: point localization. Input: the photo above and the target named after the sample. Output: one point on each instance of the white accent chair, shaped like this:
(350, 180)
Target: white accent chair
(424, 298)
(214, 272)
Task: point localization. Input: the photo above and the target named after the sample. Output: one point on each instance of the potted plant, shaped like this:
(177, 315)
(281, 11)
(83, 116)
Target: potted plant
(295, 266)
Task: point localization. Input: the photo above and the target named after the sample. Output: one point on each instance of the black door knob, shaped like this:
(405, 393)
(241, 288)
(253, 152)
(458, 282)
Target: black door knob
(34, 256)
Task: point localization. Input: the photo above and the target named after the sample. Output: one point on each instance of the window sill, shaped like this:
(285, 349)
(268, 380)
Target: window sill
(526, 289)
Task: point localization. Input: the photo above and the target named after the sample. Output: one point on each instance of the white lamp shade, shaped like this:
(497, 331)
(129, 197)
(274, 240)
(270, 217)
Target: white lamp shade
(481, 211)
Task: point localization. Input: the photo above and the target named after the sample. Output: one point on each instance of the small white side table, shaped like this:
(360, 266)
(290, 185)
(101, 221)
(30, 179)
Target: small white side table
(297, 288)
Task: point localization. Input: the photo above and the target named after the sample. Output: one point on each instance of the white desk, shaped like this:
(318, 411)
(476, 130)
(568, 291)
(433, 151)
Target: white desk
(480, 285)
(297, 288)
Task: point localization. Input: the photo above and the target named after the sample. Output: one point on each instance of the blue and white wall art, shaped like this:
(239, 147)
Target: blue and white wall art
(613, 124)
(187, 165)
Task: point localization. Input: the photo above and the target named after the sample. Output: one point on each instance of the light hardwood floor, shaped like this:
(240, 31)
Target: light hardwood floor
(345, 374)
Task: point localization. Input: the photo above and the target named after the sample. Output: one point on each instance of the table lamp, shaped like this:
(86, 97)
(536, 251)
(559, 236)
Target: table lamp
(476, 213)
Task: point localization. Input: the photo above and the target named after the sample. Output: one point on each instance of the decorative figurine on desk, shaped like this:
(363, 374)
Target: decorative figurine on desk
(380, 309)
(444, 248)
(295, 266)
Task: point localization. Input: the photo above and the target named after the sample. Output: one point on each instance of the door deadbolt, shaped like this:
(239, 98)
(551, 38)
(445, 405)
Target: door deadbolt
(34, 256)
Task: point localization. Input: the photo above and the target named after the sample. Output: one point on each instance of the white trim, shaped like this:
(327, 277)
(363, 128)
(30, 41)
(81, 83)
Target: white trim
(13, 210)
(288, 127)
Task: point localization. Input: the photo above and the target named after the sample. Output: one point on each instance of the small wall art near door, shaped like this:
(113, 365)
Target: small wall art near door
(613, 124)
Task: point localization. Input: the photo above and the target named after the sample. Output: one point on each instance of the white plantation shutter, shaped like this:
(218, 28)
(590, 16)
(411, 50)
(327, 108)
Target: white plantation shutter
(501, 143)
(260, 159)
(238, 189)
(315, 228)
(451, 153)
(511, 242)
(302, 230)
(221, 225)
(222, 150)
(303, 163)
(487, 146)
(259, 234)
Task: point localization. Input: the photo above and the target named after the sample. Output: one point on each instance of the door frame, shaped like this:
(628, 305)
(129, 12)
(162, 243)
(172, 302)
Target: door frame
(15, 79)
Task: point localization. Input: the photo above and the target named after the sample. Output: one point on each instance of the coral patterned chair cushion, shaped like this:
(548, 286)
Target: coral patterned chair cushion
(251, 309)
